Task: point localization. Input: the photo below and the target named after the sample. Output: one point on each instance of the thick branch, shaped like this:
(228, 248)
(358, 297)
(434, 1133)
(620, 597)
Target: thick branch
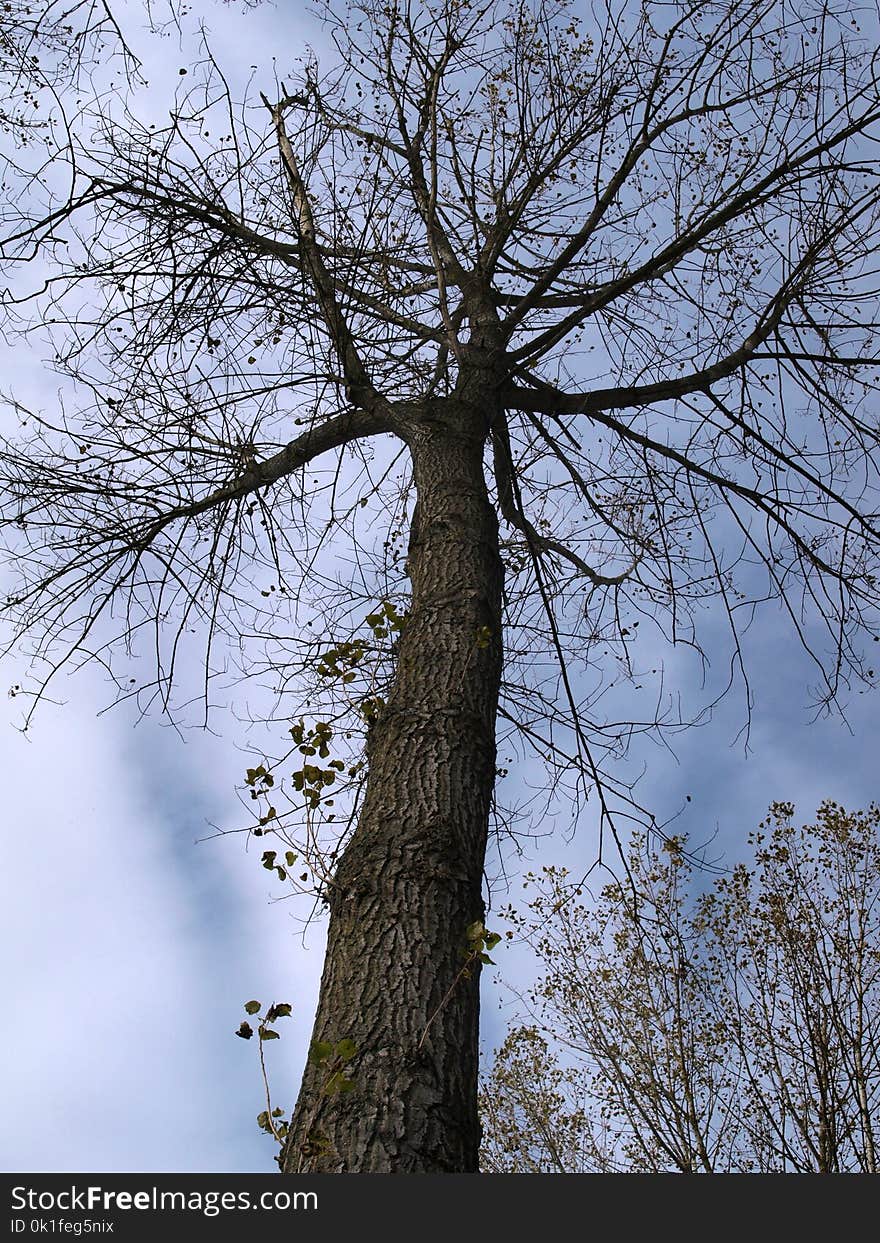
(359, 387)
(502, 458)
(634, 396)
(542, 402)
(340, 430)
(548, 400)
(764, 190)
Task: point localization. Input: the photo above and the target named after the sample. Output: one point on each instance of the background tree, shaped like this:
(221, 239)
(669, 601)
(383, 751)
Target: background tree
(733, 1031)
(604, 284)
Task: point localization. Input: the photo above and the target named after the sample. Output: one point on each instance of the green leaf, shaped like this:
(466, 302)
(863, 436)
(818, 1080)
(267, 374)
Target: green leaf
(251, 1007)
(282, 1010)
(289, 858)
(338, 1083)
(268, 858)
(320, 1051)
(492, 939)
(484, 958)
(476, 930)
(267, 1034)
(245, 1031)
(346, 1049)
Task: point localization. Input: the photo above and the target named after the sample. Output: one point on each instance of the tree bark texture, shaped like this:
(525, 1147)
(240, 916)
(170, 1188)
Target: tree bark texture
(409, 883)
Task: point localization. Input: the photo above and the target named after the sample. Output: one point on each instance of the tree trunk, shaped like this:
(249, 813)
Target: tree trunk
(409, 884)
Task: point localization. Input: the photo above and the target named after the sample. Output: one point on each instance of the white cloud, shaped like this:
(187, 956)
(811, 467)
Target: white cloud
(129, 953)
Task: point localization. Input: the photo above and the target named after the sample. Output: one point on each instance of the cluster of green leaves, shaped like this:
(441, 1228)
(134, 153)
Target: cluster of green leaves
(386, 620)
(319, 784)
(266, 1121)
(279, 1010)
(342, 660)
(371, 707)
(314, 741)
(259, 779)
(484, 637)
(271, 864)
(478, 943)
(261, 782)
(334, 1060)
(311, 780)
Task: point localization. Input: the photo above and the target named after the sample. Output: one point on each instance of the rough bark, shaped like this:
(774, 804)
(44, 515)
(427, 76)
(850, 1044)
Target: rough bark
(409, 883)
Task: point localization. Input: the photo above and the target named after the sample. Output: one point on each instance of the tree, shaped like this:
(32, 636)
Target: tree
(736, 1030)
(576, 310)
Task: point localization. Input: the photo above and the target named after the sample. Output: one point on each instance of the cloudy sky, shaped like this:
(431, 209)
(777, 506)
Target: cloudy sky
(132, 934)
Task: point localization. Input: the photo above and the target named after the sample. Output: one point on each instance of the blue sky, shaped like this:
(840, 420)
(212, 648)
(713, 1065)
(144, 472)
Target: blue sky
(132, 934)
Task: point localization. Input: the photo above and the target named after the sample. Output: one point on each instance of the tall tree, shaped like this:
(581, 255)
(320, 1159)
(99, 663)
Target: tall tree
(736, 1030)
(580, 309)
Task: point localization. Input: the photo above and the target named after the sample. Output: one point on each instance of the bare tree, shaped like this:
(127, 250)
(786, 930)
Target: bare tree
(735, 1031)
(509, 331)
